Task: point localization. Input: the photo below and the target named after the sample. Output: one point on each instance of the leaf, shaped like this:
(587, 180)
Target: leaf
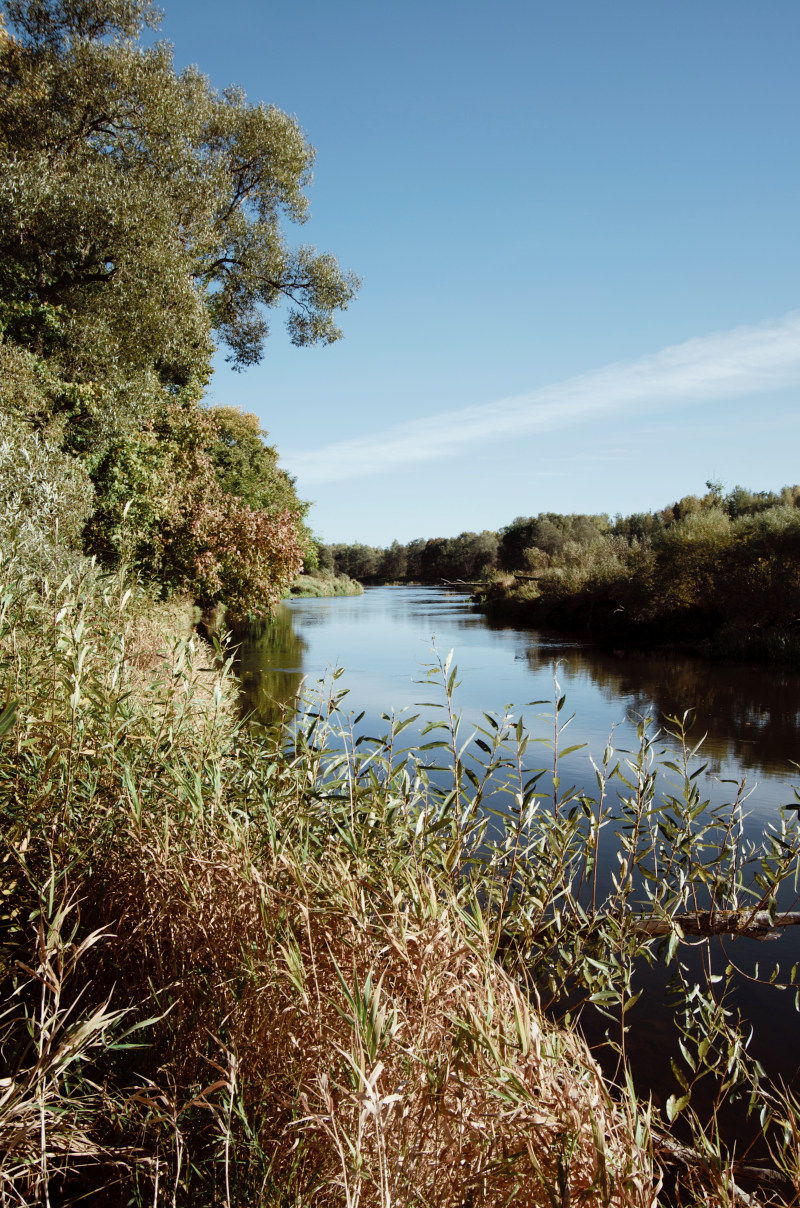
(631, 1002)
(673, 943)
(407, 721)
(473, 779)
(675, 1106)
(433, 725)
(8, 717)
(451, 858)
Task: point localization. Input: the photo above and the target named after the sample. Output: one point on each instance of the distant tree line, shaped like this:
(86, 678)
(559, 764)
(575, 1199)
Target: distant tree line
(723, 564)
(469, 556)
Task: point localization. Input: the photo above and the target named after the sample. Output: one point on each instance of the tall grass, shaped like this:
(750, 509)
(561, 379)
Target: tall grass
(307, 968)
(229, 976)
(320, 585)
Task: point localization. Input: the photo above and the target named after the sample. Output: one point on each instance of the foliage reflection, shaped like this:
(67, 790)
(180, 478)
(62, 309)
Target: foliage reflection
(749, 714)
(269, 661)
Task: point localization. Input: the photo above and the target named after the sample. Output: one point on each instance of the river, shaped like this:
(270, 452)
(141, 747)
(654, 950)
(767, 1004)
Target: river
(386, 639)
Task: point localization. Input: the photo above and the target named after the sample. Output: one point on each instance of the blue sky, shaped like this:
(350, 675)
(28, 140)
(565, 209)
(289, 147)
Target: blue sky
(576, 225)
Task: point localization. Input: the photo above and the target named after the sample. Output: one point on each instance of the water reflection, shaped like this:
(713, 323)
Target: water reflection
(383, 640)
(269, 661)
(749, 714)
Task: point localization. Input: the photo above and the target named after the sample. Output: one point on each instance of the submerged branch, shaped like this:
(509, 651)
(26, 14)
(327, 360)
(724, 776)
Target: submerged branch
(756, 924)
(671, 1151)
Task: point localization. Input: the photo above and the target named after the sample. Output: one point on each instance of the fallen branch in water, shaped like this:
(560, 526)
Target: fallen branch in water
(671, 1151)
(756, 924)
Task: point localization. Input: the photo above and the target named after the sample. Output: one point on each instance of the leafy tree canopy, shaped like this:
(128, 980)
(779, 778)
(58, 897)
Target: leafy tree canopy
(141, 210)
(245, 465)
(142, 220)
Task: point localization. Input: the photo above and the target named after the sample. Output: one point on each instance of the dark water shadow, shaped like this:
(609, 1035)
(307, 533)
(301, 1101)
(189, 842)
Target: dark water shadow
(269, 663)
(749, 715)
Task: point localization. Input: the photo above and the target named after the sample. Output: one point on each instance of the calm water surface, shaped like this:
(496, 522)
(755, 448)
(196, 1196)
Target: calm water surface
(386, 639)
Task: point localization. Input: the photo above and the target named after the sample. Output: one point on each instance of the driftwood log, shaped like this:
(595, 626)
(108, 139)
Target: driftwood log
(756, 924)
(672, 1152)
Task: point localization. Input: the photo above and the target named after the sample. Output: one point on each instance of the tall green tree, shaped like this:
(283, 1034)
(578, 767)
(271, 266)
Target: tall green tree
(142, 218)
(141, 211)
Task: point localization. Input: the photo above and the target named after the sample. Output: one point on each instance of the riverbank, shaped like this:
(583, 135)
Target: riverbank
(603, 619)
(236, 967)
(318, 586)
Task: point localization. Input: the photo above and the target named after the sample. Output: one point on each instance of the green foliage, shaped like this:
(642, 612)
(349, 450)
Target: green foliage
(718, 569)
(247, 467)
(467, 556)
(358, 561)
(163, 507)
(330, 947)
(548, 532)
(45, 495)
(326, 585)
(394, 563)
(140, 210)
(141, 220)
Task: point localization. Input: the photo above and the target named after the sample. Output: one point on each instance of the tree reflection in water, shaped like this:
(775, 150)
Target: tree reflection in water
(269, 662)
(750, 714)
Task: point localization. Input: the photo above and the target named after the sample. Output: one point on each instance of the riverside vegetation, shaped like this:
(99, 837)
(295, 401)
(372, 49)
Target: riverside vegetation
(311, 966)
(304, 966)
(141, 222)
(718, 573)
(245, 970)
(321, 584)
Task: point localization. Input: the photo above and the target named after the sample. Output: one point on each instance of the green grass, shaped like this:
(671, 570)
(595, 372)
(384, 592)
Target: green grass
(326, 585)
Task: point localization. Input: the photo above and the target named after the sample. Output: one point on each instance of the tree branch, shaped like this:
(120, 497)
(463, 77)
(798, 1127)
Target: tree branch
(757, 924)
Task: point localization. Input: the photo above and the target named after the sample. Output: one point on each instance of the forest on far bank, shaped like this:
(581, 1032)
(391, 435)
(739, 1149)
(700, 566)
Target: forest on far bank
(720, 568)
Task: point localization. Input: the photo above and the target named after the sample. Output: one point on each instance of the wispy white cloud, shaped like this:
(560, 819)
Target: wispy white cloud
(747, 360)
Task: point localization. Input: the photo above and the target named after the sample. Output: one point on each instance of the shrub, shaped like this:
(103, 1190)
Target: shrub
(163, 506)
(45, 495)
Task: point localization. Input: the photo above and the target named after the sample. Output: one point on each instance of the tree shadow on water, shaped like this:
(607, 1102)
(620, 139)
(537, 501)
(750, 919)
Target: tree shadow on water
(269, 662)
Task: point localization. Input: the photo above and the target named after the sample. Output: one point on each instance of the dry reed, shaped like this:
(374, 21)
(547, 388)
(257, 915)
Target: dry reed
(224, 987)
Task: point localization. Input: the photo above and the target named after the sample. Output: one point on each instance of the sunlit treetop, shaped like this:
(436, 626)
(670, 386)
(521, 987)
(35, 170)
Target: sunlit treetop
(141, 211)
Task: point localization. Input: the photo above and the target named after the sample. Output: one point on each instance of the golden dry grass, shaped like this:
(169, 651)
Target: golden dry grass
(385, 1055)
